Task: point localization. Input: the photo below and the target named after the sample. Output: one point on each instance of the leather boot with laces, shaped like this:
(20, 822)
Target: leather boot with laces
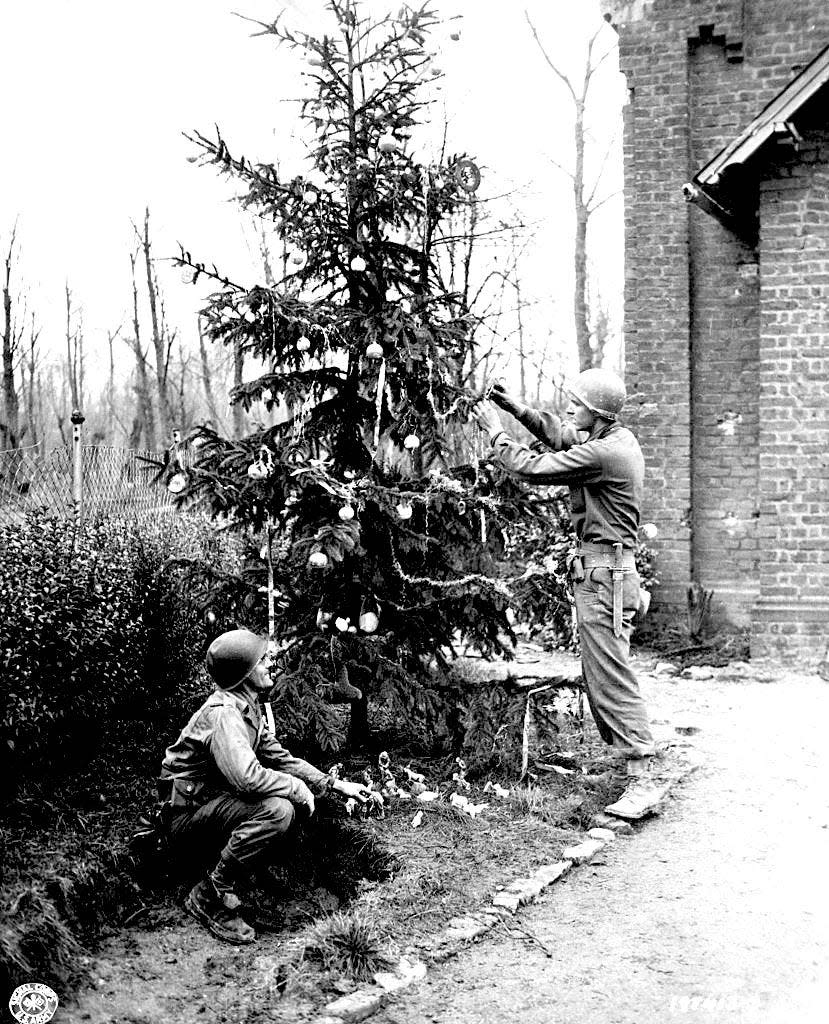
(641, 796)
(215, 904)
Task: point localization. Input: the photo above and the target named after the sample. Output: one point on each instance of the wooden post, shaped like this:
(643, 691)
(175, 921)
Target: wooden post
(77, 463)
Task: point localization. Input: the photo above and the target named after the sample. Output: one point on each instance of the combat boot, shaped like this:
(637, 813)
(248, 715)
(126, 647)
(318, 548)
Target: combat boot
(215, 904)
(642, 794)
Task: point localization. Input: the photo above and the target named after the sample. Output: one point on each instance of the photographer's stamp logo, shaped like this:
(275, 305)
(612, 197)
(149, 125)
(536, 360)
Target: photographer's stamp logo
(33, 1003)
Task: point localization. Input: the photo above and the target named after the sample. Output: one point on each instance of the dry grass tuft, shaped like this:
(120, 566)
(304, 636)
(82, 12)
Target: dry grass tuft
(349, 944)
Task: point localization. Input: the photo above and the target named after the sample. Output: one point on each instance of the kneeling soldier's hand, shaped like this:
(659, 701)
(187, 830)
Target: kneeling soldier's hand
(353, 789)
(304, 798)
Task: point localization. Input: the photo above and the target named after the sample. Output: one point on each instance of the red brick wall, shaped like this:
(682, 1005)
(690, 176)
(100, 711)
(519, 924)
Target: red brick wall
(702, 315)
(793, 610)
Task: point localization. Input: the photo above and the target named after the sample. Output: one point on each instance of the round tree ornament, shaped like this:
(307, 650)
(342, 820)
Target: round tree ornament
(188, 274)
(369, 622)
(309, 196)
(387, 143)
(303, 344)
(411, 442)
(467, 175)
(404, 510)
(358, 264)
(318, 560)
(374, 350)
(346, 513)
(178, 482)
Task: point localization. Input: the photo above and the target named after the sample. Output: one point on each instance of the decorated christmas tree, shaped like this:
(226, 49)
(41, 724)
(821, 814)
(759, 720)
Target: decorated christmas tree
(374, 529)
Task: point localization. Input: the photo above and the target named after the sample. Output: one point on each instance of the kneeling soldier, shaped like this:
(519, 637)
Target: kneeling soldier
(229, 781)
(602, 464)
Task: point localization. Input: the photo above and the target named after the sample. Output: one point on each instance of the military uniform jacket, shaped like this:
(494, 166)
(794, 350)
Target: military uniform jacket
(605, 473)
(226, 747)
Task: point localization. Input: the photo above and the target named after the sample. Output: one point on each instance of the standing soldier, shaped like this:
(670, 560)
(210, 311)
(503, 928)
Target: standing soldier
(601, 462)
(229, 782)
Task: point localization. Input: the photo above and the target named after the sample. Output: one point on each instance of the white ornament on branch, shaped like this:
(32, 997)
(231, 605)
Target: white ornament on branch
(318, 560)
(346, 513)
(411, 442)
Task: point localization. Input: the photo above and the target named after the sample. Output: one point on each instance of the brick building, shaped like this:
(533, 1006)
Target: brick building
(727, 302)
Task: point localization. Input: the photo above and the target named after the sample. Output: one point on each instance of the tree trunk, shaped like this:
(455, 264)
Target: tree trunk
(158, 339)
(238, 370)
(144, 420)
(207, 381)
(580, 254)
(10, 427)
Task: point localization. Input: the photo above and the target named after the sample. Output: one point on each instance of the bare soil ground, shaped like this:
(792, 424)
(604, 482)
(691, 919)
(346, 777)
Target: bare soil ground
(710, 912)
(715, 912)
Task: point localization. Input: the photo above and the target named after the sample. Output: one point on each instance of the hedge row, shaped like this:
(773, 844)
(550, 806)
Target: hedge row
(92, 631)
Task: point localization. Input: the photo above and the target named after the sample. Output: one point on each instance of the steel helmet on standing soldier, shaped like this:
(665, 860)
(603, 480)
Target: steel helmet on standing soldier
(601, 391)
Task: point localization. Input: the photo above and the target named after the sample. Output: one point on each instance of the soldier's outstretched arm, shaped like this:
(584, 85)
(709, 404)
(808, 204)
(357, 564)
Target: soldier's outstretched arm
(578, 465)
(548, 427)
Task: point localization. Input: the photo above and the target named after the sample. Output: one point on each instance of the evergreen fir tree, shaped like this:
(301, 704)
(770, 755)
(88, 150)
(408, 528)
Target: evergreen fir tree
(379, 529)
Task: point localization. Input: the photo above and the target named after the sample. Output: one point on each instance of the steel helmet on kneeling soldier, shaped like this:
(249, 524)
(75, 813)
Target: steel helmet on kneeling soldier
(601, 391)
(233, 655)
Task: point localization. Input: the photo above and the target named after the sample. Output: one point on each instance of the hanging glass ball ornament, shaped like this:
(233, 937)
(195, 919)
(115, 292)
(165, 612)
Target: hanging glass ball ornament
(358, 264)
(387, 143)
(346, 513)
(188, 274)
(178, 482)
(309, 196)
(408, 194)
(303, 344)
(404, 510)
(318, 560)
(374, 350)
(257, 470)
(369, 622)
(411, 442)
(342, 623)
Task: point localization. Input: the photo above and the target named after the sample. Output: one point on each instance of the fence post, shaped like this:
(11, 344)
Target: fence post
(77, 463)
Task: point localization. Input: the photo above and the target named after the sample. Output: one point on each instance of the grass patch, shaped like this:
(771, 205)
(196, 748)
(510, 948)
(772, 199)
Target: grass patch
(349, 944)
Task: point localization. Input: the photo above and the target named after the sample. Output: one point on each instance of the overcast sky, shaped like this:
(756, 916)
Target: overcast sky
(96, 96)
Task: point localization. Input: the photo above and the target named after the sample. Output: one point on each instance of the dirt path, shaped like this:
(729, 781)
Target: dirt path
(717, 912)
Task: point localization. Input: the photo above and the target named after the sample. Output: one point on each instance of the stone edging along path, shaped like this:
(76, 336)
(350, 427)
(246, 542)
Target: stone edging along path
(459, 931)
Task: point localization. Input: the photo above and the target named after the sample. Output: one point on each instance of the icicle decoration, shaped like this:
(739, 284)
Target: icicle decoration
(271, 616)
(381, 387)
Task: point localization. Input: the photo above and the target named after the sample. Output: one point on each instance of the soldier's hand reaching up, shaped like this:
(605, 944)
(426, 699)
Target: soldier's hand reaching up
(505, 401)
(487, 418)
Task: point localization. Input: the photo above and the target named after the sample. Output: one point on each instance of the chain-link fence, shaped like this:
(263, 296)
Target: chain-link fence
(111, 482)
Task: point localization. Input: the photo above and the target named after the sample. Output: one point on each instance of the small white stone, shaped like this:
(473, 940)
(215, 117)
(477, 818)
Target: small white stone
(508, 900)
(584, 852)
(607, 835)
(358, 1005)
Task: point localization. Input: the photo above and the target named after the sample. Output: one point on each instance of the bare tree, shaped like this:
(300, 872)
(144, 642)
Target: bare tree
(74, 354)
(10, 425)
(162, 339)
(143, 424)
(585, 192)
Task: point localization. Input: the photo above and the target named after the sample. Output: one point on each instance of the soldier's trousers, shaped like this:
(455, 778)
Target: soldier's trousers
(612, 689)
(247, 828)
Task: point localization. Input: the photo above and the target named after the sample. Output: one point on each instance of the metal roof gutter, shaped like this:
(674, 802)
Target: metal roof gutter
(775, 119)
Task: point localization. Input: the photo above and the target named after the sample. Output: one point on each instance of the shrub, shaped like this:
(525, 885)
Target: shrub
(91, 633)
